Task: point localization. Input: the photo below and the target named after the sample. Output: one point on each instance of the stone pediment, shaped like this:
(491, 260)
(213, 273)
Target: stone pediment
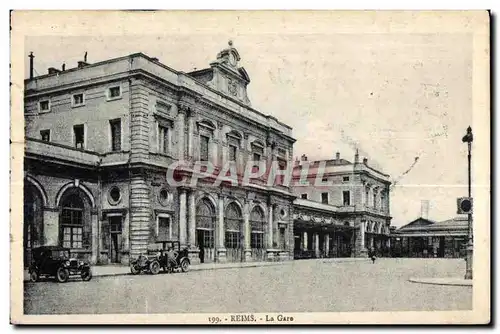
(226, 76)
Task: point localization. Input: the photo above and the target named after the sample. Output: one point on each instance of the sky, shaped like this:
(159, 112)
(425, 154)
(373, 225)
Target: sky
(395, 96)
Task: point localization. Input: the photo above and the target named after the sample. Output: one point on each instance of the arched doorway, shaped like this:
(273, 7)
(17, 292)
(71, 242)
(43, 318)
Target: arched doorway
(342, 243)
(205, 225)
(257, 234)
(75, 226)
(33, 221)
(233, 221)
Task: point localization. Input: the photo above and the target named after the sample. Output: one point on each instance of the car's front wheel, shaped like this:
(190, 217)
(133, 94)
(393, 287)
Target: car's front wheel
(34, 276)
(154, 267)
(86, 275)
(185, 265)
(134, 269)
(62, 275)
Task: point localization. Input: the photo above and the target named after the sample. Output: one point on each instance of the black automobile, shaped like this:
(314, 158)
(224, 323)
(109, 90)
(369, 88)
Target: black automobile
(55, 261)
(162, 250)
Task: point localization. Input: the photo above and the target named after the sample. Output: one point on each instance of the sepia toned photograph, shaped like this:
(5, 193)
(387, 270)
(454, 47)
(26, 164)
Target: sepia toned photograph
(250, 167)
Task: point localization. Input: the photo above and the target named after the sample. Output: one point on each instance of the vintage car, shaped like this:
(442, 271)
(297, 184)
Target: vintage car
(55, 261)
(153, 263)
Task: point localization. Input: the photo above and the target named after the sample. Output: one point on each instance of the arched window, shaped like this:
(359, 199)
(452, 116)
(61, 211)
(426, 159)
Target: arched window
(72, 221)
(205, 226)
(205, 215)
(233, 223)
(257, 228)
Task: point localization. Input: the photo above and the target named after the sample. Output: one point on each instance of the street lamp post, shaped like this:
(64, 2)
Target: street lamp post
(470, 245)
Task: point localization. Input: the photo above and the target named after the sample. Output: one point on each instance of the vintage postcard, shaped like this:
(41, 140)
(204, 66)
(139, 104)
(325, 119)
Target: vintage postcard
(250, 167)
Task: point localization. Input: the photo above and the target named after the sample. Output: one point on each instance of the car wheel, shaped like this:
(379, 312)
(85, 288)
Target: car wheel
(86, 275)
(185, 265)
(34, 276)
(62, 275)
(134, 269)
(154, 267)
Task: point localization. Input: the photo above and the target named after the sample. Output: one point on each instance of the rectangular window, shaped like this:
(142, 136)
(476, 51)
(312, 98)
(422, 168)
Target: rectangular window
(78, 100)
(115, 224)
(232, 152)
(345, 179)
(45, 134)
(114, 92)
(79, 136)
(204, 148)
(44, 106)
(324, 198)
(163, 139)
(232, 239)
(163, 228)
(346, 197)
(303, 196)
(257, 240)
(116, 134)
(256, 157)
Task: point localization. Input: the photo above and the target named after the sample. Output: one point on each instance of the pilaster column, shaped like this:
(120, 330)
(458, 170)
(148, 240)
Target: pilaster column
(192, 219)
(316, 244)
(190, 139)
(181, 125)
(270, 225)
(362, 228)
(50, 226)
(246, 232)
(327, 245)
(182, 217)
(221, 250)
(94, 238)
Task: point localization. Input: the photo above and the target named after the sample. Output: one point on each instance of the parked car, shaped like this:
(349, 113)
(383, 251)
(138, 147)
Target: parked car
(154, 263)
(55, 261)
(144, 263)
(181, 257)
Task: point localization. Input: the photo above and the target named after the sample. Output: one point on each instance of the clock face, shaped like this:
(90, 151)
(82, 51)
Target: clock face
(232, 59)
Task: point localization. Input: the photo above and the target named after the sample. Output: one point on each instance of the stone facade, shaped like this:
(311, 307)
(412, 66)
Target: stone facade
(100, 139)
(342, 207)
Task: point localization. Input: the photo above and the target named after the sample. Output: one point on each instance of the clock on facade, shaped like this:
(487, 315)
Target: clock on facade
(232, 59)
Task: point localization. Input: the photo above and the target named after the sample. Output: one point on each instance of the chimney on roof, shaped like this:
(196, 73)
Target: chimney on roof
(82, 64)
(154, 59)
(356, 157)
(365, 161)
(31, 56)
(63, 67)
(424, 209)
(337, 155)
(53, 70)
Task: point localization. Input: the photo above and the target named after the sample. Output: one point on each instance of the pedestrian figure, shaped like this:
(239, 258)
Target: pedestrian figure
(371, 255)
(171, 258)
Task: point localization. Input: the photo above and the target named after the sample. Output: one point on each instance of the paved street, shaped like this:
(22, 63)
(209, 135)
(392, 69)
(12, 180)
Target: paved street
(298, 286)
